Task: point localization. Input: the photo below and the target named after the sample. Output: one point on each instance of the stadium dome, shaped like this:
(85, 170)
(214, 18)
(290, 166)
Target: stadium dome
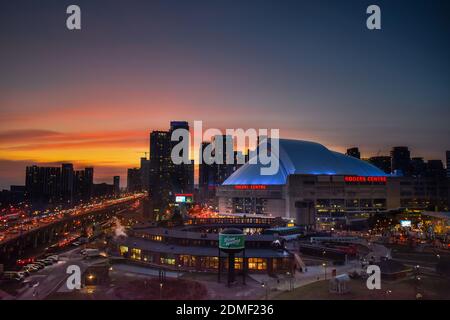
(303, 157)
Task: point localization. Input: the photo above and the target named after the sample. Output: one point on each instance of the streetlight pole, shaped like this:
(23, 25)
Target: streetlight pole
(265, 287)
(325, 269)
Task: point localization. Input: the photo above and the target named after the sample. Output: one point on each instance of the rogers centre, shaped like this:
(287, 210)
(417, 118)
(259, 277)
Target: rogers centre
(312, 183)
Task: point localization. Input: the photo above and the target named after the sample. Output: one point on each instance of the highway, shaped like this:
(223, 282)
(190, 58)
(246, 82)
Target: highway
(11, 230)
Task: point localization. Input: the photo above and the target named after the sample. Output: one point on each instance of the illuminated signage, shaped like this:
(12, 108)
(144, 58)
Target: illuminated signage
(405, 223)
(231, 241)
(356, 179)
(184, 198)
(251, 187)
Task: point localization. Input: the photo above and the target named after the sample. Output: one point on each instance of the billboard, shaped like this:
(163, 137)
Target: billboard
(405, 223)
(184, 198)
(231, 241)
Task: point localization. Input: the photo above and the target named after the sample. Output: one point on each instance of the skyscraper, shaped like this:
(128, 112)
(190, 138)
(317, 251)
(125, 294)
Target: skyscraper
(134, 181)
(43, 186)
(116, 183)
(205, 176)
(435, 169)
(382, 162)
(89, 177)
(418, 167)
(145, 173)
(448, 163)
(223, 151)
(166, 177)
(354, 152)
(401, 161)
(51, 186)
(160, 167)
(180, 173)
(67, 183)
(83, 184)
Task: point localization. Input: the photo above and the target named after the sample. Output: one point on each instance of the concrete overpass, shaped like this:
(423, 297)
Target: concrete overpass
(16, 246)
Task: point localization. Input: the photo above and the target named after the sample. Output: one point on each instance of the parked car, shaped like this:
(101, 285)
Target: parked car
(33, 266)
(55, 258)
(26, 273)
(90, 253)
(40, 265)
(46, 262)
(23, 273)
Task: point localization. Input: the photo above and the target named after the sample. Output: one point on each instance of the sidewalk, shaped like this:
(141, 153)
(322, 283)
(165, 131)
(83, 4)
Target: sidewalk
(314, 273)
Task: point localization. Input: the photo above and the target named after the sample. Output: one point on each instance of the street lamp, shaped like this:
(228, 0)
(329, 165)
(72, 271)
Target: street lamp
(160, 290)
(263, 285)
(324, 265)
(290, 276)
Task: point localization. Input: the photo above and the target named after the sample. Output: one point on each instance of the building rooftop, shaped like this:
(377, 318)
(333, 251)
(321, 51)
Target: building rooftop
(154, 246)
(303, 157)
(180, 234)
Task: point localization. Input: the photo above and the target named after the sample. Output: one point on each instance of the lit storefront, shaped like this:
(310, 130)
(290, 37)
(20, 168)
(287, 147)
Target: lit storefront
(196, 251)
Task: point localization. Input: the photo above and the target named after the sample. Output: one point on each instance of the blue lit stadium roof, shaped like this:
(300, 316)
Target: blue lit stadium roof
(303, 157)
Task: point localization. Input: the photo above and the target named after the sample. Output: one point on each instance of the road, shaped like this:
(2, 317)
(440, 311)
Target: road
(48, 280)
(23, 226)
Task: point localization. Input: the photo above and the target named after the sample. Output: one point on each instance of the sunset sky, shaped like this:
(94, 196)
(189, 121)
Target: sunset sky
(309, 68)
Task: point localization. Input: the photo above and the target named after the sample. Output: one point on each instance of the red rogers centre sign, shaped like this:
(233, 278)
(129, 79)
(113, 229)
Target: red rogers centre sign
(250, 187)
(365, 179)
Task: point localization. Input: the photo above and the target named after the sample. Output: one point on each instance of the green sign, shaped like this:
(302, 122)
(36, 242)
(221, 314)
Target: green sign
(231, 241)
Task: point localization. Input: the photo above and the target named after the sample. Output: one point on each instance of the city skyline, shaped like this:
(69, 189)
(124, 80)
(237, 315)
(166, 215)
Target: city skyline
(109, 176)
(92, 97)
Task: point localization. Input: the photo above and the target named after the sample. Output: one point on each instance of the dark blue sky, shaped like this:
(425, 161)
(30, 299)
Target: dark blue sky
(310, 68)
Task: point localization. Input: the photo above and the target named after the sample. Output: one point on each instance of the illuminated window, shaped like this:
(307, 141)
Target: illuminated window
(167, 259)
(210, 262)
(135, 254)
(123, 250)
(257, 264)
(238, 263)
(187, 261)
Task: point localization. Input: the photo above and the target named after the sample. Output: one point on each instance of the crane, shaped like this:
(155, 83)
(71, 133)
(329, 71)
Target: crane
(143, 152)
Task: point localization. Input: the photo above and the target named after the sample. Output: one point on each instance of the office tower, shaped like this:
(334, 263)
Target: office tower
(43, 186)
(435, 169)
(134, 180)
(12, 197)
(205, 176)
(354, 152)
(448, 163)
(174, 125)
(160, 167)
(224, 155)
(418, 167)
(83, 184)
(401, 161)
(89, 176)
(382, 162)
(145, 173)
(67, 183)
(180, 173)
(116, 183)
